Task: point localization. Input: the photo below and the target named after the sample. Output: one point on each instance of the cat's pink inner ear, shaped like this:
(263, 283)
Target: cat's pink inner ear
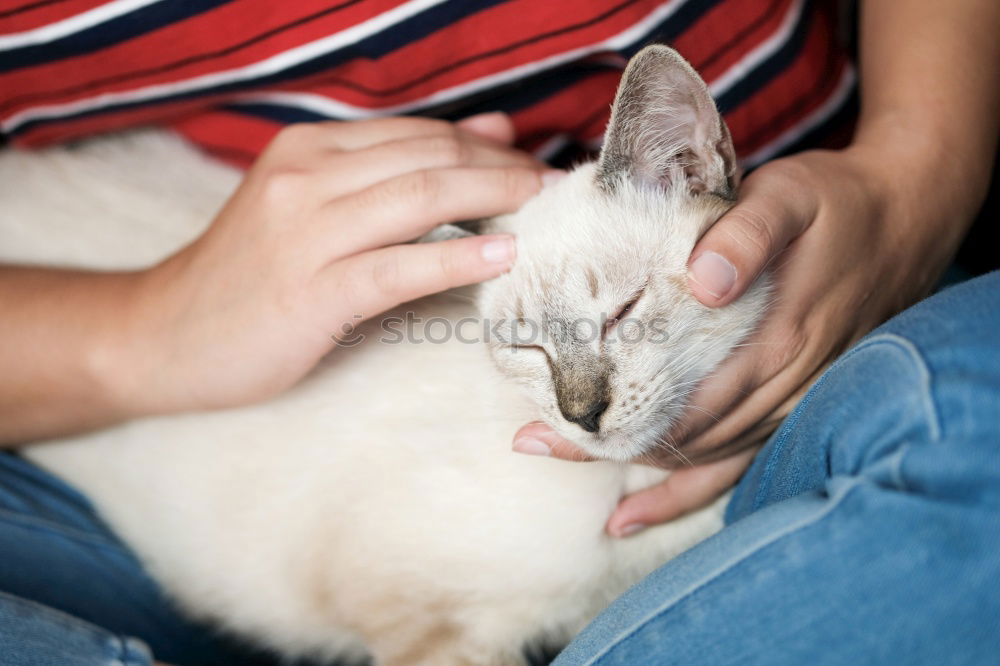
(665, 127)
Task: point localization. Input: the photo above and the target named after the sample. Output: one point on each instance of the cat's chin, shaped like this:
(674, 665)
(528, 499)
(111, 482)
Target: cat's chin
(614, 446)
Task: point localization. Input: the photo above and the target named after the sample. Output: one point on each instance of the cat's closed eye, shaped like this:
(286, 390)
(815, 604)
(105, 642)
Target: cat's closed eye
(624, 311)
(528, 347)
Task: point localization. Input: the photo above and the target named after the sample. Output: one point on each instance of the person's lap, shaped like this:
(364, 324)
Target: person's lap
(65, 575)
(865, 530)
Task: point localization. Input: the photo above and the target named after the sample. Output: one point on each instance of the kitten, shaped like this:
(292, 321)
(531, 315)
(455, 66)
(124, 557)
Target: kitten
(376, 508)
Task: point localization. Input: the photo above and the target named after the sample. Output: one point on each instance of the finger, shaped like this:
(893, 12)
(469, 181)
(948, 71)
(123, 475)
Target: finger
(717, 395)
(538, 439)
(409, 205)
(496, 126)
(355, 135)
(372, 282)
(754, 417)
(337, 174)
(755, 386)
(737, 248)
(682, 492)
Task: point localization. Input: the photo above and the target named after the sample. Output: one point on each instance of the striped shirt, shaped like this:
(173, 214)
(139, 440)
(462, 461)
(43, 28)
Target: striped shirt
(228, 74)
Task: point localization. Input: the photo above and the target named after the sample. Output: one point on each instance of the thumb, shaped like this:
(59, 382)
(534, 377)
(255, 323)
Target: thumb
(537, 439)
(734, 251)
(685, 490)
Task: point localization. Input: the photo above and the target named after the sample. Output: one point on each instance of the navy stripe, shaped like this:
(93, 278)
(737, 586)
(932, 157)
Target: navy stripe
(529, 91)
(673, 26)
(399, 35)
(518, 95)
(823, 83)
(374, 46)
(161, 69)
(682, 18)
(845, 116)
(747, 30)
(119, 29)
(433, 19)
(523, 93)
(279, 113)
(510, 99)
(770, 68)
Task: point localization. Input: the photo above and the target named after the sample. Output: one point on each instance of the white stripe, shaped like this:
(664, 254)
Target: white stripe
(82, 21)
(325, 105)
(332, 108)
(271, 65)
(759, 54)
(337, 109)
(810, 122)
(551, 148)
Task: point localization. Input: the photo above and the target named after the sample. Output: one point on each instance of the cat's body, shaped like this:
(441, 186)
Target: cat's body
(377, 505)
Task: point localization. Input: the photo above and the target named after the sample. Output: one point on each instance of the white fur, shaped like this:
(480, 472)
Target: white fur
(377, 505)
(634, 238)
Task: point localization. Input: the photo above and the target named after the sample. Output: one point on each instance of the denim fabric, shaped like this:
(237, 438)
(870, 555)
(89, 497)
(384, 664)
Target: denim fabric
(867, 531)
(36, 635)
(71, 593)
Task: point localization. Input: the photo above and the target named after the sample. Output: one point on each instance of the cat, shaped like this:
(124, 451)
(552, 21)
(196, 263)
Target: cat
(376, 508)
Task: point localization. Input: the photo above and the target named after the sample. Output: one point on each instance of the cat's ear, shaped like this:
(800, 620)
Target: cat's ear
(665, 127)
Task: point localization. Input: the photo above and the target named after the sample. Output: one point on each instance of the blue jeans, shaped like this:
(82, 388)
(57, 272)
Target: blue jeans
(866, 531)
(71, 594)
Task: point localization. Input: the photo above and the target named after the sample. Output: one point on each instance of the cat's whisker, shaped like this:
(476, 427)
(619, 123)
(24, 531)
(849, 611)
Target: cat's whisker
(712, 415)
(666, 441)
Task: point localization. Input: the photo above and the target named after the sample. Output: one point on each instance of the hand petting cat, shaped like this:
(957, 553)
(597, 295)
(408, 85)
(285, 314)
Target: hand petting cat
(310, 239)
(819, 220)
(851, 237)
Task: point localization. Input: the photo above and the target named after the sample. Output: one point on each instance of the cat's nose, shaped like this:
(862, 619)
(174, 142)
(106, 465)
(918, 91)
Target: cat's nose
(590, 420)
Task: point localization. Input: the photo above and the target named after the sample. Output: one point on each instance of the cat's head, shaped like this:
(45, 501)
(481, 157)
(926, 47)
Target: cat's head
(596, 319)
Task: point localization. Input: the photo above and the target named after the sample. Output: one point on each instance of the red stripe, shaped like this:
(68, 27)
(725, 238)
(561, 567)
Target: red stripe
(233, 137)
(792, 96)
(714, 44)
(163, 114)
(214, 30)
(485, 43)
(805, 85)
(485, 32)
(30, 17)
(567, 110)
(580, 110)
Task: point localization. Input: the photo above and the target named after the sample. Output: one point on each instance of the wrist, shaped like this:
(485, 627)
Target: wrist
(929, 172)
(925, 203)
(120, 357)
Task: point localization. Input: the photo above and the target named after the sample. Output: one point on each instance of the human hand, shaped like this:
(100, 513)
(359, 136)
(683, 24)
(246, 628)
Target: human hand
(309, 241)
(849, 244)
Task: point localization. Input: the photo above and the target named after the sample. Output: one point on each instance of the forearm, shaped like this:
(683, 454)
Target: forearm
(60, 346)
(930, 94)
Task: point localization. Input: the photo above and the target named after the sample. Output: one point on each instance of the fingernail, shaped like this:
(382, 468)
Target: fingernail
(552, 176)
(713, 272)
(482, 121)
(532, 447)
(486, 114)
(630, 530)
(499, 251)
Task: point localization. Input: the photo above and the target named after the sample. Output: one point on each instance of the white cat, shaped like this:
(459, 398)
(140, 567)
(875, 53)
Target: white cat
(377, 507)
